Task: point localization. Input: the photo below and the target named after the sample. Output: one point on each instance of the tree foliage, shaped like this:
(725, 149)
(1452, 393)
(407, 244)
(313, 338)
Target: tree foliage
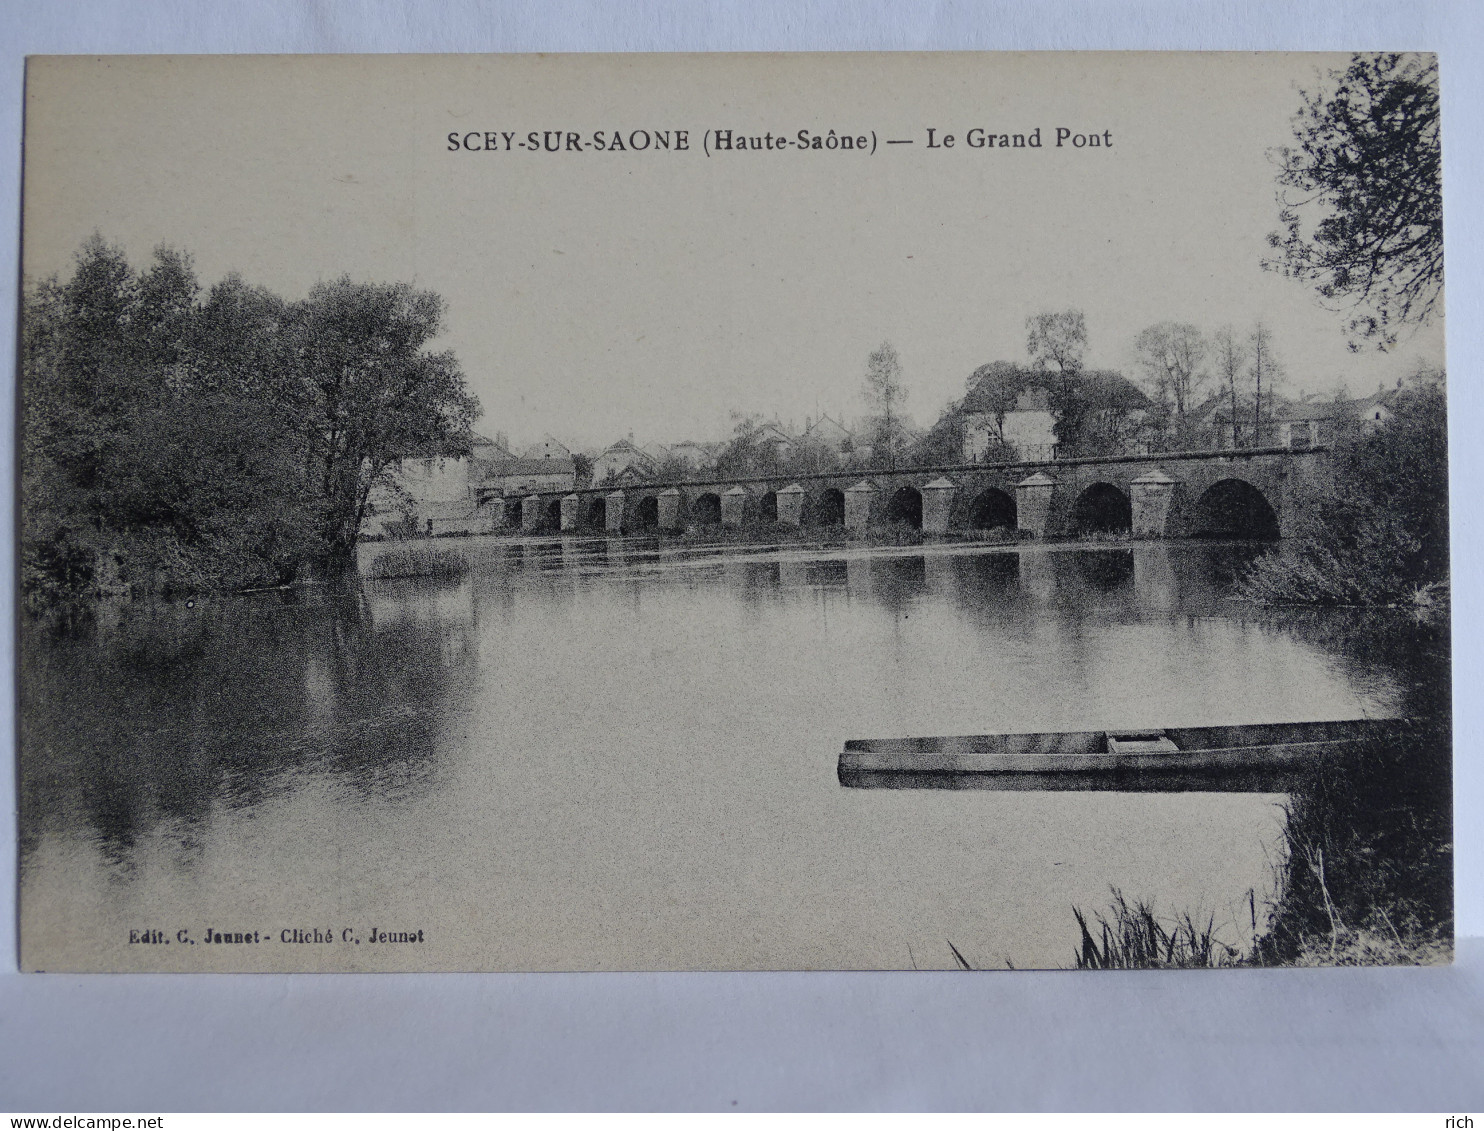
(1095, 411)
(1057, 343)
(1376, 533)
(1361, 194)
(886, 395)
(1230, 357)
(373, 394)
(1172, 355)
(175, 442)
(1265, 371)
(745, 453)
(1111, 411)
(943, 443)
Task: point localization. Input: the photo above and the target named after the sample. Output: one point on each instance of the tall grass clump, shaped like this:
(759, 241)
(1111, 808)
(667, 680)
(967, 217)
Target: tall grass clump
(1134, 938)
(419, 561)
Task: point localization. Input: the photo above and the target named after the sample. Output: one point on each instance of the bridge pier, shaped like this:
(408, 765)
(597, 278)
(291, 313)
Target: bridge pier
(667, 506)
(530, 513)
(569, 512)
(858, 502)
(937, 505)
(1033, 503)
(668, 502)
(733, 507)
(613, 512)
(791, 505)
(1151, 494)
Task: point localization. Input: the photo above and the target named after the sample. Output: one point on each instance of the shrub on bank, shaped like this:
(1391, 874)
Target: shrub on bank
(1376, 532)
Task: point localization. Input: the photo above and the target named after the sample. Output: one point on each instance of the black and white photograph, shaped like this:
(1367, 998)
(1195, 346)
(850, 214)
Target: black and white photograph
(964, 511)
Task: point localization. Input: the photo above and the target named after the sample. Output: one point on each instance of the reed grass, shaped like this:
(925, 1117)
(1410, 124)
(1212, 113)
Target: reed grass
(419, 561)
(1134, 938)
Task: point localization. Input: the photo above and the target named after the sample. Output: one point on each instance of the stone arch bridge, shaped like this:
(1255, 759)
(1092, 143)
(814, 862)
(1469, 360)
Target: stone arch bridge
(1247, 493)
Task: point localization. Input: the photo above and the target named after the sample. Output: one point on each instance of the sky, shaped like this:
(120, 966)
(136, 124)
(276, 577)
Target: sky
(596, 293)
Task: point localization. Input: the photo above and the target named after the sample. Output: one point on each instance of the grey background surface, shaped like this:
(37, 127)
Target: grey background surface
(1374, 1039)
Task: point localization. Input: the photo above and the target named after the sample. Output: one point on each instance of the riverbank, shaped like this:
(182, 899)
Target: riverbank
(1365, 875)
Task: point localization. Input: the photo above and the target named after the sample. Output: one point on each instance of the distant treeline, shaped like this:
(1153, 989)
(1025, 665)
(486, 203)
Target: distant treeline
(177, 441)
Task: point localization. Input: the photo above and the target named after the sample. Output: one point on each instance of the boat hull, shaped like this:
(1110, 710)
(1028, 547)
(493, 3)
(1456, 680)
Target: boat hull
(1257, 758)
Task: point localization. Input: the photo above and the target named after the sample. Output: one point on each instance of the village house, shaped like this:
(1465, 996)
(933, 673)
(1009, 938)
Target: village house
(1029, 428)
(548, 447)
(522, 477)
(618, 457)
(1300, 423)
(433, 493)
(1308, 422)
(658, 453)
(771, 438)
(693, 455)
(830, 434)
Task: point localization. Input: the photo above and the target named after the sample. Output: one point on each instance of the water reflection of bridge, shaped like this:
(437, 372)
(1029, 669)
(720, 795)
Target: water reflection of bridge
(1247, 494)
(1121, 583)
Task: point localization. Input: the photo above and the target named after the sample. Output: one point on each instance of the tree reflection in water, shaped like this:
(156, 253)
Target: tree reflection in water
(663, 699)
(149, 713)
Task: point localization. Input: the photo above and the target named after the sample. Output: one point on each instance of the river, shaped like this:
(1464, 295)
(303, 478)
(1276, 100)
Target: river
(586, 754)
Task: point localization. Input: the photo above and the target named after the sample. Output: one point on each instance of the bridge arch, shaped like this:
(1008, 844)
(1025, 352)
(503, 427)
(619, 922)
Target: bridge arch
(829, 508)
(906, 506)
(706, 510)
(768, 507)
(553, 514)
(1234, 508)
(647, 513)
(992, 508)
(1102, 509)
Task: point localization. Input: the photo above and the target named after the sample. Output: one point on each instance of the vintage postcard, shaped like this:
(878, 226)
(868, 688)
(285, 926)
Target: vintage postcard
(865, 511)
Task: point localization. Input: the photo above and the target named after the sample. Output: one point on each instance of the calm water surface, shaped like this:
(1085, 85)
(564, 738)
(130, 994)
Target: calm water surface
(590, 755)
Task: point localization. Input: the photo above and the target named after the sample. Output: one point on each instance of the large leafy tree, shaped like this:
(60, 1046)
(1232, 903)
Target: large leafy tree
(171, 442)
(1231, 366)
(372, 394)
(1112, 412)
(1172, 355)
(1376, 532)
(1361, 194)
(886, 394)
(138, 470)
(1057, 343)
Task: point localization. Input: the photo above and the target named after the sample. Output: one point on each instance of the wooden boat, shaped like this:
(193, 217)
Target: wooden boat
(1263, 757)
